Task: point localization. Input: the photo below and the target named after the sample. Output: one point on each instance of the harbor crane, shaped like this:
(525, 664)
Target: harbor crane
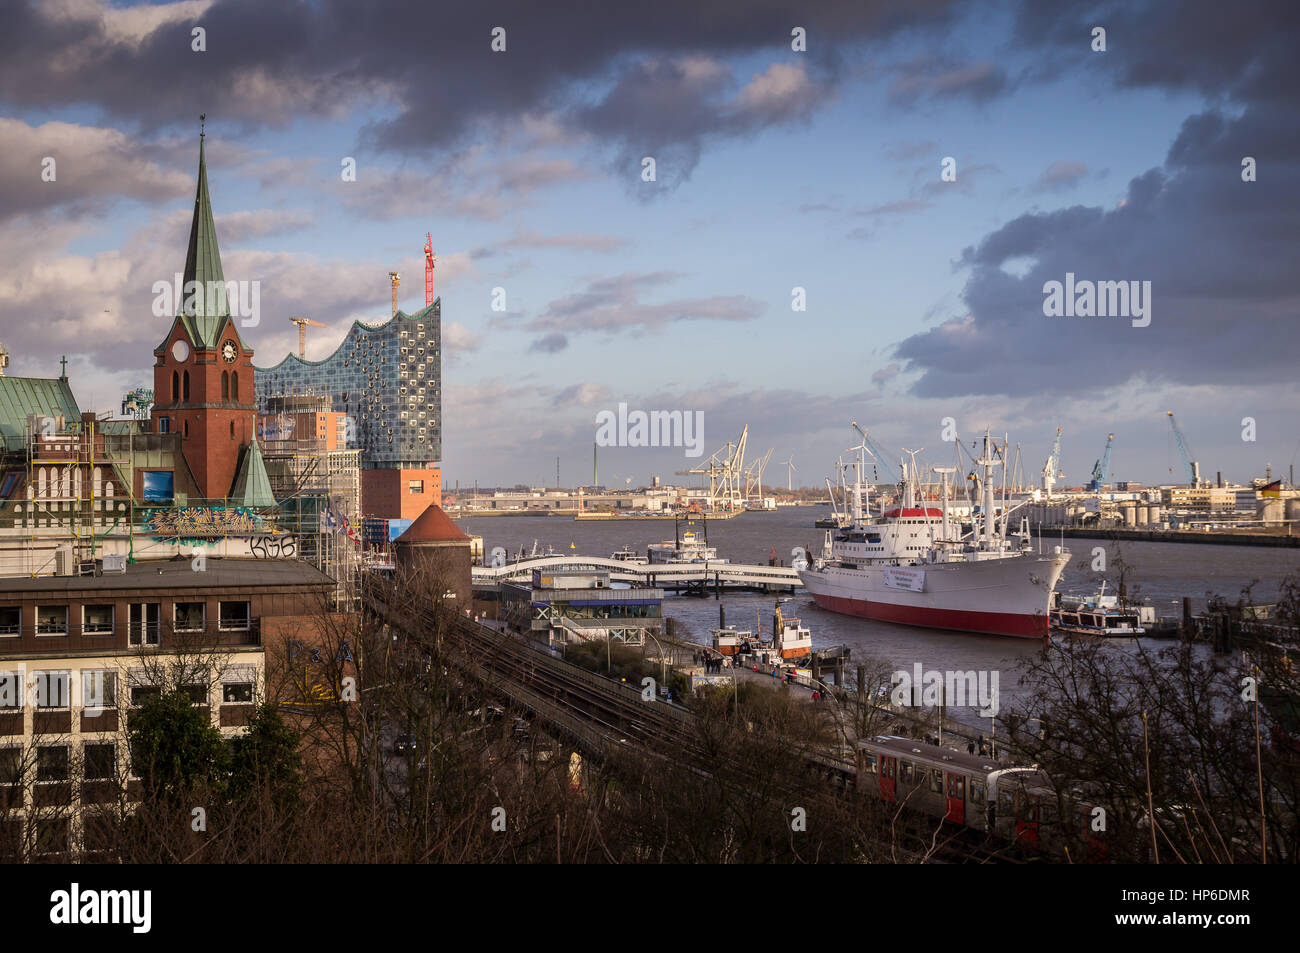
(1100, 468)
(1192, 467)
(725, 471)
(881, 458)
(1052, 467)
(754, 476)
(303, 325)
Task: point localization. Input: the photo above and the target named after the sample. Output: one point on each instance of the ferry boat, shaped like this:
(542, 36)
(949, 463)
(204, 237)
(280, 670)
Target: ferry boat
(915, 565)
(1099, 614)
(626, 555)
(687, 546)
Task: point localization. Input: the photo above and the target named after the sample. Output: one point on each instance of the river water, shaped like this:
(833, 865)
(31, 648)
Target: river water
(1162, 572)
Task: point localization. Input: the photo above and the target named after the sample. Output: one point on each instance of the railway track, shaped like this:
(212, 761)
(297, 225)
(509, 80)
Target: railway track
(602, 716)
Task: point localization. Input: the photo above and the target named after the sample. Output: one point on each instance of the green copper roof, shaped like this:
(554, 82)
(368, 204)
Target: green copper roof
(20, 396)
(252, 485)
(203, 319)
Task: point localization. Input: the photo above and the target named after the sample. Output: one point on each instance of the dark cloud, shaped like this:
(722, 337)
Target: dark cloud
(275, 63)
(1218, 251)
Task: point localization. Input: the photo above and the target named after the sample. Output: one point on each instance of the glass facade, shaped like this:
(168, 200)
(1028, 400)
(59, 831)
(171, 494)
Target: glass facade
(386, 378)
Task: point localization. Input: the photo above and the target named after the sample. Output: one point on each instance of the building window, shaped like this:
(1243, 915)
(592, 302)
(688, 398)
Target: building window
(11, 691)
(185, 389)
(164, 425)
(176, 386)
(53, 689)
(51, 620)
(415, 487)
(234, 385)
(51, 835)
(188, 617)
(99, 689)
(99, 762)
(198, 694)
(232, 430)
(233, 616)
(142, 693)
(11, 620)
(11, 765)
(237, 693)
(225, 385)
(185, 429)
(52, 763)
(97, 619)
(143, 627)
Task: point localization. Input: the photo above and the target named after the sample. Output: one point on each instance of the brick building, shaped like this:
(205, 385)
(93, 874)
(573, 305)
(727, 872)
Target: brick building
(77, 652)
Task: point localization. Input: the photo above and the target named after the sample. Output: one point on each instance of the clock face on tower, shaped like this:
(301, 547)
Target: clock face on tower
(180, 351)
(229, 352)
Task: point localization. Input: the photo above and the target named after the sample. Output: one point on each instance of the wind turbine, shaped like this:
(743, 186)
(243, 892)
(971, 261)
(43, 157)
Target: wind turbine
(790, 470)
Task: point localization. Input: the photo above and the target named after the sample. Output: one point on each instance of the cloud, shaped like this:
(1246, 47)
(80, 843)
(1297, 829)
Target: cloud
(92, 167)
(614, 304)
(236, 227)
(530, 238)
(937, 77)
(551, 343)
(428, 70)
(1060, 176)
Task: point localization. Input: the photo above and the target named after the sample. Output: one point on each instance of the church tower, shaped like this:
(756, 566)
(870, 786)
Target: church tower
(203, 372)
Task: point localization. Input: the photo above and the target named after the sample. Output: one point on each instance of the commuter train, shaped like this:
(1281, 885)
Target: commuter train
(1019, 805)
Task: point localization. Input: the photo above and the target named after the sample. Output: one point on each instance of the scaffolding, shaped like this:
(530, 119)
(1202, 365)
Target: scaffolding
(319, 494)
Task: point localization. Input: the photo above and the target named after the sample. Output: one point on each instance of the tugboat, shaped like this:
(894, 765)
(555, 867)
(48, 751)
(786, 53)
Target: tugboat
(792, 640)
(1099, 614)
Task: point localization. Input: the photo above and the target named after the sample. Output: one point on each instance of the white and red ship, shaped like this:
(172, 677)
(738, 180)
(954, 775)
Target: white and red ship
(916, 565)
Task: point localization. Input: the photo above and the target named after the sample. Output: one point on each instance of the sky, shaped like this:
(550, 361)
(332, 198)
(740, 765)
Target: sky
(571, 283)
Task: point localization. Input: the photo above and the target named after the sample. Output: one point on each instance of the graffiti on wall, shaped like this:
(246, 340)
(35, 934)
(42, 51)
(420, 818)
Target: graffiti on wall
(203, 522)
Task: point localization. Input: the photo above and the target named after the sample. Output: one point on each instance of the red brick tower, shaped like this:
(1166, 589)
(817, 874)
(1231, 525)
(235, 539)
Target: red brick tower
(203, 372)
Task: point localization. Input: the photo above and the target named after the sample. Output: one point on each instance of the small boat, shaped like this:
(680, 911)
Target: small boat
(729, 640)
(792, 639)
(1099, 614)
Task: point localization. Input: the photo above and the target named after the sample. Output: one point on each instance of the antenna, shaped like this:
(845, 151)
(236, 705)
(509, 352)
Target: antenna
(396, 279)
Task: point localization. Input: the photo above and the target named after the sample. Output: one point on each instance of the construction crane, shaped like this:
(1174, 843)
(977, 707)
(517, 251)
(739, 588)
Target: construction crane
(1101, 466)
(881, 457)
(303, 325)
(1192, 467)
(396, 279)
(1052, 467)
(429, 259)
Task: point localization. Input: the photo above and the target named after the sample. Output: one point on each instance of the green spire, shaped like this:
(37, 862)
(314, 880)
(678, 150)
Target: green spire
(203, 264)
(252, 485)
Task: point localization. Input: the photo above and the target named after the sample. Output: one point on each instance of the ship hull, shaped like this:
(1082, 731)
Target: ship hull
(1007, 597)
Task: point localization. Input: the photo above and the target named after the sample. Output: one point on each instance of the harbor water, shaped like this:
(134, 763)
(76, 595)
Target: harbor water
(1160, 573)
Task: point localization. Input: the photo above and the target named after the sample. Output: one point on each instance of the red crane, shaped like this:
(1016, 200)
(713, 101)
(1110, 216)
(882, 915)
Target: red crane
(429, 259)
